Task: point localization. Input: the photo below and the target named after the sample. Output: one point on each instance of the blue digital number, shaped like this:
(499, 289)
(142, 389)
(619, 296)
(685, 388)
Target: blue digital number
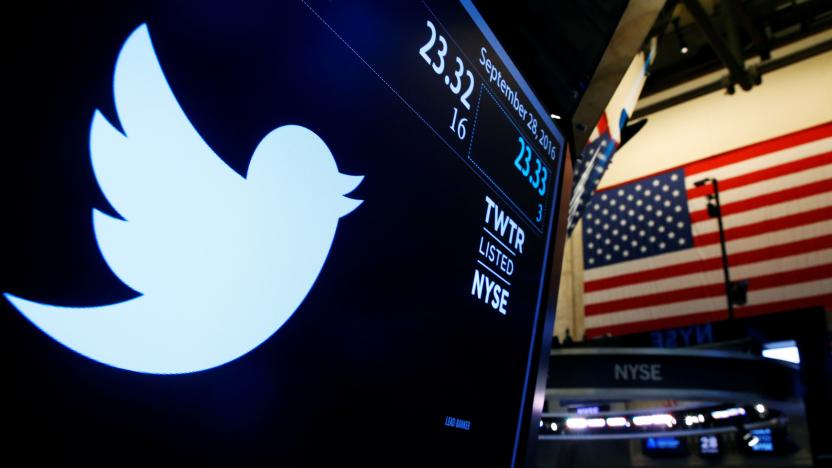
(541, 174)
(520, 154)
(536, 179)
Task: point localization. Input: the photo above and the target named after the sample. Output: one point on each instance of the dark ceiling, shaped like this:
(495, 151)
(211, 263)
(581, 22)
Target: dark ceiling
(759, 26)
(559, 44)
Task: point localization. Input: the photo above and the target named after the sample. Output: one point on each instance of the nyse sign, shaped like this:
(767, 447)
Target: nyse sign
(500, 244)
(638, 372)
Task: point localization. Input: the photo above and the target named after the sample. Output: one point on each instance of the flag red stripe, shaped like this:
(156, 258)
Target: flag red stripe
(711, 290)
(783, 306)
(666, 297)
(785, 278)
(759, 149)
(764, 174)
(805, 136)
(792, 193)
(703, 317)
(769, 225)
(658, 324)
(743, 258)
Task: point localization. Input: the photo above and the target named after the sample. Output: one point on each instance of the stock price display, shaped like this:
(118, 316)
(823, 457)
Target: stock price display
(302, 232)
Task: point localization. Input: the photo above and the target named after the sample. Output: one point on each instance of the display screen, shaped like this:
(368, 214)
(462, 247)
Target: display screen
(299, 232)
(709, 445)
(664, 446)
(761, 440)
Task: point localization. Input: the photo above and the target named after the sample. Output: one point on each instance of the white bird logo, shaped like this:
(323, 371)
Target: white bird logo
(221, 261)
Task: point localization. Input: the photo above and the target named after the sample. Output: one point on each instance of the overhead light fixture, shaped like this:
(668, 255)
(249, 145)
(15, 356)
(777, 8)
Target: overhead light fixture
(782, 350)
(683, 46)
(750, 439)
(554, 116)
(728, 413)
(596, 422)
(616, 421)
(654, 420)
(576, 423)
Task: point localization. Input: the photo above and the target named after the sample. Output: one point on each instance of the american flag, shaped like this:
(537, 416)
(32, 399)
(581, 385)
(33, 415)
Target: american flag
(651, 252)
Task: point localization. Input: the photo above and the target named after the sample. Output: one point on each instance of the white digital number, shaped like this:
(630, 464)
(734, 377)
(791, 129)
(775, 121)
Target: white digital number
(455, 84)
(458, 127)
(425, 48)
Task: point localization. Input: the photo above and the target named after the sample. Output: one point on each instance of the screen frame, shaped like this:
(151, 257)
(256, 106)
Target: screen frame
(536, 377)
(531, 408)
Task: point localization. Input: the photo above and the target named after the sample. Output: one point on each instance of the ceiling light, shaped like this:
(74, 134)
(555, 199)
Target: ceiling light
(617, 421)
(576, 423)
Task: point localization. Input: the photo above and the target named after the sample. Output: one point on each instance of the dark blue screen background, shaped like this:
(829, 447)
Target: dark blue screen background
(388, 343)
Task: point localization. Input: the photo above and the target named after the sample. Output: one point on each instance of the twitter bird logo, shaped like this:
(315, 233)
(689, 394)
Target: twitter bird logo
(221, 261)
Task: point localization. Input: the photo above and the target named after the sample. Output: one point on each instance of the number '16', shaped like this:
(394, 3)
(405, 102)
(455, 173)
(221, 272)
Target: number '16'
(458, 127)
